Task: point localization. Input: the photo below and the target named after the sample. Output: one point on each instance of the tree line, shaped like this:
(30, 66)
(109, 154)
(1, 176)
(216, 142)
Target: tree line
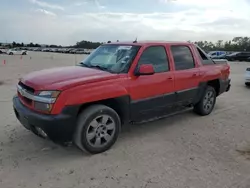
(16, 45)
(236, 44)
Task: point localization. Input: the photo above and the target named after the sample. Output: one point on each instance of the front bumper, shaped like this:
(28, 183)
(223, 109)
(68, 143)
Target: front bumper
(59, 128)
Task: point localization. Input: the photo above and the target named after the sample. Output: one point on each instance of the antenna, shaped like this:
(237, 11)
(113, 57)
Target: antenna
(135, 41)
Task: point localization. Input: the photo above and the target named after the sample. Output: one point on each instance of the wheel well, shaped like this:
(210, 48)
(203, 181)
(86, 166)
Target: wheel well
(215, 84)
(120, 105)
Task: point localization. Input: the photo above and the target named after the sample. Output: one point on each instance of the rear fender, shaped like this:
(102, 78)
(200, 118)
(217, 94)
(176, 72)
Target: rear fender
(208, 75)
(213, 73)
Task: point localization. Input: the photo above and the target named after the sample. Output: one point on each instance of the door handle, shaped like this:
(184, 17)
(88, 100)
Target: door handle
(170, 78)
(195, 74)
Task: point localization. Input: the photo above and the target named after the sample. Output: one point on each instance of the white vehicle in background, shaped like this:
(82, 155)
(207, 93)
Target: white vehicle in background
(2, 51)
(16, 51)
(247, 77)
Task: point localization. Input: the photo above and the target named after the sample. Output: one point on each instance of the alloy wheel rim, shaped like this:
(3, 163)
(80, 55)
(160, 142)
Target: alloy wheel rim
(100, 131)
(208, 101)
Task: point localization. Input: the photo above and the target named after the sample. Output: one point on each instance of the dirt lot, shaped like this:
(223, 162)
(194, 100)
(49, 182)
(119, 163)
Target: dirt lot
(183, 151)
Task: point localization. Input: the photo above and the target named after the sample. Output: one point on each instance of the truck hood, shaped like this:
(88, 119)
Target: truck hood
(64, 77)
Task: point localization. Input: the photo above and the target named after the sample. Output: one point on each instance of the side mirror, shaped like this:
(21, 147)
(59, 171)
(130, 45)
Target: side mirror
(145, 70)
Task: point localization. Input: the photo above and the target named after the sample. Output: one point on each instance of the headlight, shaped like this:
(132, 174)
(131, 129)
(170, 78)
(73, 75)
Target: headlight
(49, 94)
(46, 100)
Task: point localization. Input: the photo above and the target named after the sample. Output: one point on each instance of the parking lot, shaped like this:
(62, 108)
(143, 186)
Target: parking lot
(184, 151)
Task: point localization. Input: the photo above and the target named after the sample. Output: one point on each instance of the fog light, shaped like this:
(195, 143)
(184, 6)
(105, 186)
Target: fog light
(42, 106)
(41, 132)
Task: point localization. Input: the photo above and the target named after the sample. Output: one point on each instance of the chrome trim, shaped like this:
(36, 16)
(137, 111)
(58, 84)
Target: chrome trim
(37, 98)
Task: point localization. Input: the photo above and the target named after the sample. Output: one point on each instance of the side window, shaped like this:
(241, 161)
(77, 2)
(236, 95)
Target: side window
(204, 59)
(155, 55)
(183, 58)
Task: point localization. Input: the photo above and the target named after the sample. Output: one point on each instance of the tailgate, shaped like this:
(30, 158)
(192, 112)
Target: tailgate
(220, 61)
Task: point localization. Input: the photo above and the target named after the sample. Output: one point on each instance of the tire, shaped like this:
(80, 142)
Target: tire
(247, 84)
(24, 53)
(201, 108)
(10, 53)
(91, 122)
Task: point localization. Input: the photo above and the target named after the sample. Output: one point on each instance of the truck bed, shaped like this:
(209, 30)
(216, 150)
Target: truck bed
(220, 61)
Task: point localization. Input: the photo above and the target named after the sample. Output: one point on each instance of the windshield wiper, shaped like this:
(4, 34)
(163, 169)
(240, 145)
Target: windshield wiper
(98, 67)
(93, 66)
(84, 64)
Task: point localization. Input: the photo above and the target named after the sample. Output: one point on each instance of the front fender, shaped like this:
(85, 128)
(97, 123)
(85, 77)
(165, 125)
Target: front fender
(85, 94)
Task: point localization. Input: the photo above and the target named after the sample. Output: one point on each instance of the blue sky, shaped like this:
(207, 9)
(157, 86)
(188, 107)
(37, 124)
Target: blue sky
(67, 21)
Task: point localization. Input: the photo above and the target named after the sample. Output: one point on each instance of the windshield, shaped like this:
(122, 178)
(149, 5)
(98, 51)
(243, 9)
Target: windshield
(114, 58)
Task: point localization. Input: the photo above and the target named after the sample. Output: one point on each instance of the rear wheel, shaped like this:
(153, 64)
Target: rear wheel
(97, 129)
(206, 105)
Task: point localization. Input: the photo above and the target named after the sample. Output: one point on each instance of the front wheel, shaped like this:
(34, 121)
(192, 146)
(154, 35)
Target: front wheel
(206, 105)
(98, 128)
(11, 53)
(24, 53)
(247, 84)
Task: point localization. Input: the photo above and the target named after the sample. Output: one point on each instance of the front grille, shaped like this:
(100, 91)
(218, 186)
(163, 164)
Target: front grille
(28, 101)
(29, 89)
(25, 100)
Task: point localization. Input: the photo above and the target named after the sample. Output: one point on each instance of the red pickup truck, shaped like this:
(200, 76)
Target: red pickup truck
(116, 84)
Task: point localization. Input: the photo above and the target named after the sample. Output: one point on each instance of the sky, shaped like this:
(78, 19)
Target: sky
(64, 22)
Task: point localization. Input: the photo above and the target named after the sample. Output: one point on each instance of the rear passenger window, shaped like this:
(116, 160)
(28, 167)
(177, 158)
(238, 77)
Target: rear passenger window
(183, 58)
(155, 55)
(204, 59)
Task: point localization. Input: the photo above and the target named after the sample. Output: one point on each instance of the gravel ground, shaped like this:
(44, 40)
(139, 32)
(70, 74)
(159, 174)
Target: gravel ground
(184, 151)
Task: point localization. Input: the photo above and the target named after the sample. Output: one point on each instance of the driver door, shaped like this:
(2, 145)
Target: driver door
(152, 95)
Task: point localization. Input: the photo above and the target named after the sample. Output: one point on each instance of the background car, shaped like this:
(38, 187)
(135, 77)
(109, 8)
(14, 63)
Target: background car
(73, 51)
(238, 56)
(67, 50)
(222, 56)
(37, 49)
(247, 77)
(80, 51)
(16, 51)
(216, 54)
(3, 51)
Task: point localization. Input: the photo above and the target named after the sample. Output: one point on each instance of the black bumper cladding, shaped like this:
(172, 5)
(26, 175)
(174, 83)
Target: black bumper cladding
(58, 128)
(228, 86)
(225, 85)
